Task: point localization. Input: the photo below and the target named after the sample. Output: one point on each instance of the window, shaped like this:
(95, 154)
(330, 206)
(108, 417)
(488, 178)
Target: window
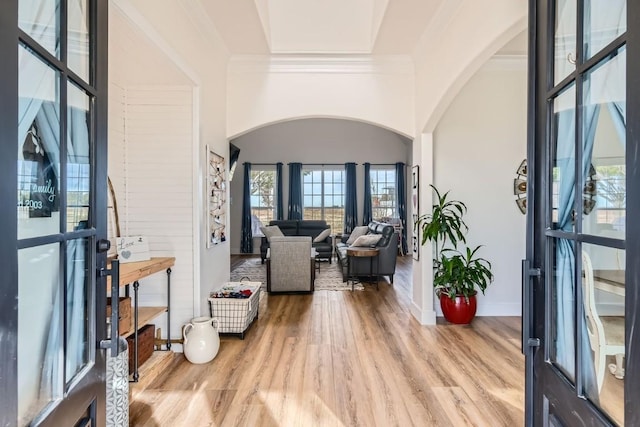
(323, 196)
(77, 195)
(383, 193)
(263, 194)
(611, 199)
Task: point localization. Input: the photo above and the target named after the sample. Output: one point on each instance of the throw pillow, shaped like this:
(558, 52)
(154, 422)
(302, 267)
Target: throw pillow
(322, 236)
(367, 240)
(357, 232)
(270, 231)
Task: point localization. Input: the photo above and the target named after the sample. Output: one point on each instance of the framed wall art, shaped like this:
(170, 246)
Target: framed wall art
(415, 209)
(217, 195)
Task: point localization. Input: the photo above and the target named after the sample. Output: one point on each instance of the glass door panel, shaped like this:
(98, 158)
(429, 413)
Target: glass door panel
(604, 141)
(562, 327)
(40, 349)
(41, 20)
(563, 170)
(564, 39)
(604, 21)
(38, 147)
(603, 289)
(78, 157)
(55, 111)
(79, 333)
(78, 46)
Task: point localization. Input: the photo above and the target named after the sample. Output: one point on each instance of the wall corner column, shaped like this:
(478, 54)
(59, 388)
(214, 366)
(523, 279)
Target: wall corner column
(422, 307)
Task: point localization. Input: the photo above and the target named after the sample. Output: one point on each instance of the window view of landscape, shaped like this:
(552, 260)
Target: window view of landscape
(263, 195)
(38, 197)
(77, 195)
(611, 198)
(323, 196)
(383, 193)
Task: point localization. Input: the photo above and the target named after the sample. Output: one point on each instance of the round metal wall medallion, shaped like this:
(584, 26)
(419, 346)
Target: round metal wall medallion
(589, 191)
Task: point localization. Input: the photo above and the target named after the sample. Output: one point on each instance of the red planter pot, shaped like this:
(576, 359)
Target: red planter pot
(459, 310)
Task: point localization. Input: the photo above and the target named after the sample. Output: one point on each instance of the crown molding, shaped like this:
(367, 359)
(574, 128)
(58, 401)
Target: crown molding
(322, 64)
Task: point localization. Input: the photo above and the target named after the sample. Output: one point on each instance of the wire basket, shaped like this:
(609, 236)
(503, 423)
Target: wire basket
(235, 314)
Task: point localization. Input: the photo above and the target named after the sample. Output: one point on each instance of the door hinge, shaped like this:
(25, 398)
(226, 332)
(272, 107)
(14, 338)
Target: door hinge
(533, 342)
(534, 272)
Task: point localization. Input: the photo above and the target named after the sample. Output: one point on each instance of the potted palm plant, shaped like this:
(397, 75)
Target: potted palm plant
(458, 274)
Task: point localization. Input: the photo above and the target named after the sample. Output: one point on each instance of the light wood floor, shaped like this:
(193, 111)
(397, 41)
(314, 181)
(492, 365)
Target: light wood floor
(347, 359)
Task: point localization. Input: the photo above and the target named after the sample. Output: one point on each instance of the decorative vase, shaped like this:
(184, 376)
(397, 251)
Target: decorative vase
(201, 340)
(460, 310)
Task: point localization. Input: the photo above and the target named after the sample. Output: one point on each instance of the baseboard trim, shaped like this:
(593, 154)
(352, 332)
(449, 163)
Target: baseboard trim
(506, 309)
(427, 317)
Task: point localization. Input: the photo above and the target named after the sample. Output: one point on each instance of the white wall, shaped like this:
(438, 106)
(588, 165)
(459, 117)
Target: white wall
(314, 141)
(478, 145)
(190, 57)
(159, 190)
(422, 284)
(117, 127)
(128, 44)
(448, 54)
(266, 90)
(456, 46)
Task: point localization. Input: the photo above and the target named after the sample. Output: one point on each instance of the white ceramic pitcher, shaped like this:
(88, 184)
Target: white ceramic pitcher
(201, 340)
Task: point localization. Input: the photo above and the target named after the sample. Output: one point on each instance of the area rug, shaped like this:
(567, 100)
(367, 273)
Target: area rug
(328, 278)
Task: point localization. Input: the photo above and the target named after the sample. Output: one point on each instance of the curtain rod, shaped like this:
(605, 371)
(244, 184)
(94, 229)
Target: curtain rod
(322, 164)
(261, 164)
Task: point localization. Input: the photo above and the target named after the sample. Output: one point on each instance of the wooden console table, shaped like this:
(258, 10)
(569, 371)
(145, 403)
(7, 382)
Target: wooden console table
(131, 273)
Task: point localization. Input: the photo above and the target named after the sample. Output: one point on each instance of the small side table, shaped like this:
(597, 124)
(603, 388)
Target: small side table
(361, 252)
(335, 239)
(398, 229)
(315, 263)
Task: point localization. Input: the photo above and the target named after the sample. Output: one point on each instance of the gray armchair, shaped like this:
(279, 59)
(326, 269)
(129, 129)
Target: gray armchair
(290, 264)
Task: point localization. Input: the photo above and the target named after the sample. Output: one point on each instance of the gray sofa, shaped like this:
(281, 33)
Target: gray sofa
(311, 228)
(387, 253)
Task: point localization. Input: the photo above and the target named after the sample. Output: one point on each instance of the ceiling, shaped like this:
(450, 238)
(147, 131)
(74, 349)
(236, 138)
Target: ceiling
(390, 27)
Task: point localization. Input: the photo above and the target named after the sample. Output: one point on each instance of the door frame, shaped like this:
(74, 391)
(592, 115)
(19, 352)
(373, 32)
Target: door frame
(8, 223)
(540, 378)
(632, 237)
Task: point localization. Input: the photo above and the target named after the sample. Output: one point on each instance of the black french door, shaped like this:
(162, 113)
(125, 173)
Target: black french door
(581, 275)
(53, 162)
